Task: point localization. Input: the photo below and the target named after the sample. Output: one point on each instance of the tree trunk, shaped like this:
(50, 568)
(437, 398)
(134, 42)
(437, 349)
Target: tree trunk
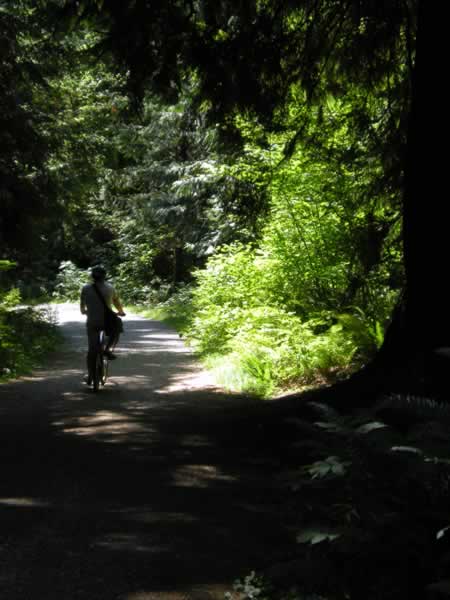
(426, 225)
(407, 360)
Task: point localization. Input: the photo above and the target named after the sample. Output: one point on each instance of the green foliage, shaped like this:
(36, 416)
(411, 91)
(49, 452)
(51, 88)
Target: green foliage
(10, 298)
(6, 265)
(26, 195)
(226, 288)
(356, 478)
(26, 335)
(265, 348)
(175, 197)
(69, 281)
(134, 274)
(251, 587)
(248, 55)
(171, 307)
(313, 295)
(239, 319)
(331, 465)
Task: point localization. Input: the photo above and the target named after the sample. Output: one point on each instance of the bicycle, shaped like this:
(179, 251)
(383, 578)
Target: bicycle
(98, 372)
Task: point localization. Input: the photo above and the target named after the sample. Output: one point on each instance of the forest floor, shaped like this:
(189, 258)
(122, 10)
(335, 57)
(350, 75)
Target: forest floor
(163, 486)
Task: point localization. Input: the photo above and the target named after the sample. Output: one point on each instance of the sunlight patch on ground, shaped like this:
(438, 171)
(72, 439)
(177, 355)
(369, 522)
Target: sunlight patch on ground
(189, 381)
(130, 543)
(105, 422)
(147, 515)
(74, 396)
(165, 345)
(148, 348)
(67, 312)
(130, 383)
(196, 441)
(200, 592)
(41, 376)
(199, 476)
(102, 417)
(117, 429)
(24, 502)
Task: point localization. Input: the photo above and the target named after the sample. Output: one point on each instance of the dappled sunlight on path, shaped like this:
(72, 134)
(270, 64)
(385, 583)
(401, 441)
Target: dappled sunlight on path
(148, 489)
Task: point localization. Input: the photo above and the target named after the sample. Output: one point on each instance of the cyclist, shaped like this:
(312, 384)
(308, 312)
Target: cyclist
(92, 306)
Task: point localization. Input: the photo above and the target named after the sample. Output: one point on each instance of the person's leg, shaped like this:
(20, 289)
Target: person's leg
(110, 345)
(111, 342)
(92, 334)
(113, 339)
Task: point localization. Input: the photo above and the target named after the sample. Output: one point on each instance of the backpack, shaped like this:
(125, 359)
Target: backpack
(113, 323)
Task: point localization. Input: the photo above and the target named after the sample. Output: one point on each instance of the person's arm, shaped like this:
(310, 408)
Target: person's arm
(118, 304)
(83, 307)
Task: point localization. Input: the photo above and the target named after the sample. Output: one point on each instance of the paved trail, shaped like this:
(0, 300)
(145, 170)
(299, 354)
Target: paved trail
(159, 487)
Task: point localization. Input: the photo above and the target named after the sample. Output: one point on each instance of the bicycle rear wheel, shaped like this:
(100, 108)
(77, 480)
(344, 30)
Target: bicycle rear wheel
(104, 374)
(97, 375)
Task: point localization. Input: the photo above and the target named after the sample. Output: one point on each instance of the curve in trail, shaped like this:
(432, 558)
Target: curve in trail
(160, 486)
(151, 354)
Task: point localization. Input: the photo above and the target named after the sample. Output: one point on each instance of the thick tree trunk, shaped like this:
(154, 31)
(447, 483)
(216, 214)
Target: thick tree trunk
(422, 324)
(408, 360)
(426, 226)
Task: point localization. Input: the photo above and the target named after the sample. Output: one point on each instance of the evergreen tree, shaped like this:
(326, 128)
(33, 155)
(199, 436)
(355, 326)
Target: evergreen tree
(28, 205)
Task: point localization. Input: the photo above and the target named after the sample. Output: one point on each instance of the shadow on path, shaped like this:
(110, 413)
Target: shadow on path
(153, 488)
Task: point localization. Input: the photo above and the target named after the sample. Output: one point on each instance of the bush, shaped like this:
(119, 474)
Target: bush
(26, 334)
(273, 348)
(175, 310)
(10, 299)
(254, 344)
(69, 281)
(232, 283)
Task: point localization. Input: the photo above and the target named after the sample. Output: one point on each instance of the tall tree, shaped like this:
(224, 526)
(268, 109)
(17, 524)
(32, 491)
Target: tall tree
(175, 185)
(26, 193)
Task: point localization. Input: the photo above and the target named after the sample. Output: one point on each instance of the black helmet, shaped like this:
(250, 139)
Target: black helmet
(98, 273)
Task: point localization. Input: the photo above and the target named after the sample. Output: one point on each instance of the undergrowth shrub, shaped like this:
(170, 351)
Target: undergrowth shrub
(272, 348)
(232, 283)
(26, 334)
(134, 277)
(10, 299)
(175, 310)
(252, 343)
(69, 281)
